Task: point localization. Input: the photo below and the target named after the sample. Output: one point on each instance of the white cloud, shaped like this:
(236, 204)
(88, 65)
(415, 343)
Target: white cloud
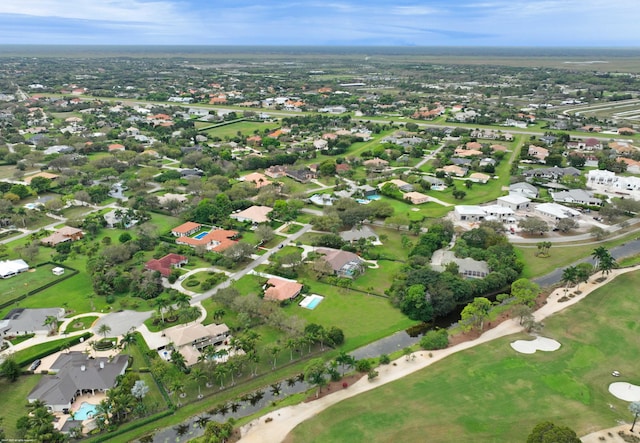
(413, 10)
(101, 10)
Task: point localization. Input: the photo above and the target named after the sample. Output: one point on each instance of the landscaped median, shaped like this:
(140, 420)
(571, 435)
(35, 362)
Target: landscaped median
(26, 356)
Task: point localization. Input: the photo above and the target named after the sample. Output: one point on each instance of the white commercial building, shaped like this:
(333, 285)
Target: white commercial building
(556, 211)
(516, 202)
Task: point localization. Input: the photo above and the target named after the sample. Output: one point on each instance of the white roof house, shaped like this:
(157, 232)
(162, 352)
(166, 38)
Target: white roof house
(9, 268)
(514, 201)
(497, 212)
(469, 213)
(556, 211)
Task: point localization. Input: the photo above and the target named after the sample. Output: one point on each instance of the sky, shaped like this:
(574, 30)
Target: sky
(552, 23)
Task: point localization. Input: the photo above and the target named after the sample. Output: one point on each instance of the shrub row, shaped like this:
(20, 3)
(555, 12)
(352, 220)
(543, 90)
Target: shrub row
(138, 423)
(70, 342)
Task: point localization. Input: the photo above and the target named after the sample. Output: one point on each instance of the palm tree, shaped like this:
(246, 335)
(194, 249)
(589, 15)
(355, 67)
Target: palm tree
(274, 350)
(569, 275)
(202, 420)
(161, 303)
(128, 338)
(634, 407)
(220, 373)
(52, 322)
(599, 254)
(345, 359)
(198, 375)
(181, 429)
(291, 344)
(276, 389)
(104, 329)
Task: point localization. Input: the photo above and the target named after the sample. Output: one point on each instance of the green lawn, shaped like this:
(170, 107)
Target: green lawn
(493, 394)
(245, 127)
(14, 397)
(81, 324)
(20, 284)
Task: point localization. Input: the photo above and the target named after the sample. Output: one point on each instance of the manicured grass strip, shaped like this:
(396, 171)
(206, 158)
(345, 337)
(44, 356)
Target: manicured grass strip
(81, 324)
(26, 356)
(491, 393)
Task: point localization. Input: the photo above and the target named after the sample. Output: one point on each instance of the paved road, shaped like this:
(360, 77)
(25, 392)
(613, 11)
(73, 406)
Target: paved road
(624, 250)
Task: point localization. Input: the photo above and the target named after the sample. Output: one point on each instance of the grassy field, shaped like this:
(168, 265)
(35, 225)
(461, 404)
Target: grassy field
(246, 128)
(27, 281)
(491, 393)
(15, 395)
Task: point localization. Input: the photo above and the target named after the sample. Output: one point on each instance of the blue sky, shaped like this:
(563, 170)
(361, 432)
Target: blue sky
(330, 22)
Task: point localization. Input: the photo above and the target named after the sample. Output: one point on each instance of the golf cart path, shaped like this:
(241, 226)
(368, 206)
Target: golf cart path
(276, 425)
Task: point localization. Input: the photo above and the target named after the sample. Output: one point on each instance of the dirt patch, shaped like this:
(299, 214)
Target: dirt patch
(335, 386)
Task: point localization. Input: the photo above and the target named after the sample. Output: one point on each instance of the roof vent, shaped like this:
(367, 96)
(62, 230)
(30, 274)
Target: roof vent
(102, 365)
(83, 368)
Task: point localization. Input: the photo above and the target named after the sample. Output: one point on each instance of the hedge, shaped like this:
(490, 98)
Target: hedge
(45, 352)
(132, 426)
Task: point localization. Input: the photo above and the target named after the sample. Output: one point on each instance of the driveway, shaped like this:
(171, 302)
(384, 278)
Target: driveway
(121, 322)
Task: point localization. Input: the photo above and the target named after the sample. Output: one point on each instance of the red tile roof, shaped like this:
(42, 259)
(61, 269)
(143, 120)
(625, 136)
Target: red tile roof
(164, 264)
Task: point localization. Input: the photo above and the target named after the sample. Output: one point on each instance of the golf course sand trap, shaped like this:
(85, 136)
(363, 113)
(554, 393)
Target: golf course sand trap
(537, 344)
(625, 391)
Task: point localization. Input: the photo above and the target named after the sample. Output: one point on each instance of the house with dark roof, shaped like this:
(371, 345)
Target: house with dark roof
(165, 264)
(344, 263)
(75, 374)
(302, 175)
(22, 321)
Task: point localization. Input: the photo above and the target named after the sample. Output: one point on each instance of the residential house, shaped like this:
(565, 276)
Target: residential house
(75, 373)
(468, 267)
(344, 263)
(525, 189)
(122, 218)
(469, 213)
(555, 173)
(276, 171)
(461, 152)
(479, 177)
(23, 321)
(278, 289)
(43, 174)
(498, 148)
(515, 202)
(579, 196)
(165, 264)
(190, 339)
(114, 147)
(342, 168)
(633, 166)
(589, 144)
(188, 228)
(376, 164)
(416, 198)
(454, 170)
(302, 175)
(64, 234)
(213, 240)
(556, 211)
(256, 178)
(538, 152)
(356, 234)
(400, 184)
(253, 214)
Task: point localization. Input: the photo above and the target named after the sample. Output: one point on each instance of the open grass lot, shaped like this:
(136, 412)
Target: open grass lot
(22, 283)
(14, 397)
(363, 318)
(378, 280)
(246, 128)
(491, 393)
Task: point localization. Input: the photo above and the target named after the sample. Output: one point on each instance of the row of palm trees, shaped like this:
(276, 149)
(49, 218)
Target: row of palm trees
(580, 273)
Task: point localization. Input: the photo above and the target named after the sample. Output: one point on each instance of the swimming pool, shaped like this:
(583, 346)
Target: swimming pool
(373, 197)
(87, 410)
(200, 235)
(311, 301)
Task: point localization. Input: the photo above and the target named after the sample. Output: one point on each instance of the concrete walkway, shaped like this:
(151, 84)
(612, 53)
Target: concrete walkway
(282, 421)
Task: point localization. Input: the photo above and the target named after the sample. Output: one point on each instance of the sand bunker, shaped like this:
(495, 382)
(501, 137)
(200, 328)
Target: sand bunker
(625, 391)
(537, 344)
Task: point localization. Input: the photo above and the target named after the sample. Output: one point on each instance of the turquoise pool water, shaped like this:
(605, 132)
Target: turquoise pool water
(315, 302)
(87, 410)
(202, 234)
(373, 197)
